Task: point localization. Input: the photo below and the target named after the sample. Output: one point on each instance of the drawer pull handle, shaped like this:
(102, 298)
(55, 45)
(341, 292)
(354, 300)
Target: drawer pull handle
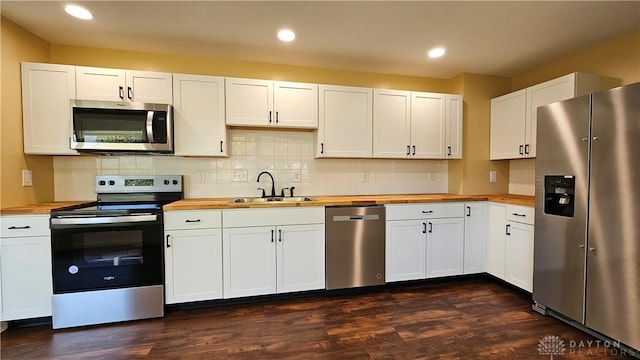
(192, 221)
(521, 215)
(19, 227)
(427, 212)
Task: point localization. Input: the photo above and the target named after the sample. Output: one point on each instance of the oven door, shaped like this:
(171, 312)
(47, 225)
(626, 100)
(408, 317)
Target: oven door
(94, 253)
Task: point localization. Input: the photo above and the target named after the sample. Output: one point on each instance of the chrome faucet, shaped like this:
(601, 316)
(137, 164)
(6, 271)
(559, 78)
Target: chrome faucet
(273, 183)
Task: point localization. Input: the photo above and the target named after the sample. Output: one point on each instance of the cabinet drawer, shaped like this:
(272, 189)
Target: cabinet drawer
(273, 217)
(422, 211)
(19, 226)
(192, 219)
(521, 214)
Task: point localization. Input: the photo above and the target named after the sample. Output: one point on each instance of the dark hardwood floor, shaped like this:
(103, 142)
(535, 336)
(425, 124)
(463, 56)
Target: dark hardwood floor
(473, 318)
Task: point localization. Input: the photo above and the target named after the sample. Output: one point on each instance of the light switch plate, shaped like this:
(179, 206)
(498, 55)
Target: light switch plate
(27, 178)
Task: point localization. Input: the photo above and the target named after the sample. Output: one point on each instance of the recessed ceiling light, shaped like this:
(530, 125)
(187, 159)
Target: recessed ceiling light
(78, 12)
(436, 52)
(286, 35)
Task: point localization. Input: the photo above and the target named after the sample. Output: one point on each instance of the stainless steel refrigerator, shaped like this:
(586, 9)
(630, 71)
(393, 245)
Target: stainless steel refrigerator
(587, 229)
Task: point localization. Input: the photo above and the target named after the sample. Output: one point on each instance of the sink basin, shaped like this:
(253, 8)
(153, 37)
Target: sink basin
(271, 200)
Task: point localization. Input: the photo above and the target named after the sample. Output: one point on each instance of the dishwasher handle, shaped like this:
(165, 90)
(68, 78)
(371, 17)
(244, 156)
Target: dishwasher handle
(338, 218)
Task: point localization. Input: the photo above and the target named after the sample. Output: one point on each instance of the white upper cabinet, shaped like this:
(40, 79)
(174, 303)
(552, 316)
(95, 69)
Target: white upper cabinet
(391, 123)
(453, 125)
(514, 116)
(508, 125)
(252, 102)
(416, 125)
(199, 110)
(123, 85)
(295, 104)
(46, 111)
(427, 125)
(345, 122)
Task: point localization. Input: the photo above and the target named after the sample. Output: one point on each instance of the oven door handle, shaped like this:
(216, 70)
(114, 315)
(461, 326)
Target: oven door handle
(96, 220)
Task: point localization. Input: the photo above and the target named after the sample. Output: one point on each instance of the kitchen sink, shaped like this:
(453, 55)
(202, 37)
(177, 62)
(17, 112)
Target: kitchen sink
(271, 200)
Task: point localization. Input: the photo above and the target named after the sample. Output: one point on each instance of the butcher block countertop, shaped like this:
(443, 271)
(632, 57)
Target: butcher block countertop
(42, 208)
(346, 200)
(336, 200)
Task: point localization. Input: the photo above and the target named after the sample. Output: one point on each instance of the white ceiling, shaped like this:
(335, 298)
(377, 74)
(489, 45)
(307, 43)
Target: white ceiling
(497, 38)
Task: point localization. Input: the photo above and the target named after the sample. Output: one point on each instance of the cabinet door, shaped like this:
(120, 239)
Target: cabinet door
(475, 237)
(149, 87)
(548, 92)
(453, 125)
(46, 111)
(405, 250)
(345, 122)
(249, 261)
(445, 247)
(101, 84)
(193, 265)
(295, 104)
(249, 102)
(26, 277)
(428, 125)
(199, 127)
(391, 124)
(300, 259)
(497, 240)
(519, 255)
(508, 126)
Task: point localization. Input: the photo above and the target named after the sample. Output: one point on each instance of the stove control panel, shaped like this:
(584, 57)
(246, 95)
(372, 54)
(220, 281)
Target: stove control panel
(138, 183)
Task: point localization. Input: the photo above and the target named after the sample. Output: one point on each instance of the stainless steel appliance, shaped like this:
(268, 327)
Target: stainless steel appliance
(108, 259)
(587, 231)
(106, 126)
(355, 247)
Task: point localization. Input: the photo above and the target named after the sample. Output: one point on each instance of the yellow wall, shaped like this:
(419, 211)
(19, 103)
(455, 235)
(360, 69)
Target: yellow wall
(19, 45)
(617, 58)
(471, 174)
(209, 66)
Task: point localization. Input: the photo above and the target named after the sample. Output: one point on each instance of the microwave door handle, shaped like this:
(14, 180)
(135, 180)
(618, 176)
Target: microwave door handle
(150, 126)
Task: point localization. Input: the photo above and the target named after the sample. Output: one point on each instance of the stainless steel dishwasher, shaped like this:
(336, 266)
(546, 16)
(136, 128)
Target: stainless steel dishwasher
(355, 246)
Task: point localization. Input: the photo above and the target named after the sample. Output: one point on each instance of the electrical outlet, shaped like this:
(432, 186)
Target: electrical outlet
(492, 176)
(27, 178)
(296, 175)
(239, 175)
(365, 176)
(432, 176)
(201, 177)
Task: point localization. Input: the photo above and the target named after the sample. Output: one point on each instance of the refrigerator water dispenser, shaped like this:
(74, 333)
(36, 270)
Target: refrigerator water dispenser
(559, 195)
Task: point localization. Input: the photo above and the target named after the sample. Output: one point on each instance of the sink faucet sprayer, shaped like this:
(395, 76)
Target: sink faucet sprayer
(273, 184)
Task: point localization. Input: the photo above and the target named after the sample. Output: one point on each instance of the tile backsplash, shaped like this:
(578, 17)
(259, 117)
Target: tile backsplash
(288, 155)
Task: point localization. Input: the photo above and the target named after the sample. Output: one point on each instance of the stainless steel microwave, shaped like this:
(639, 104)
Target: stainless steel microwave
(107, 126)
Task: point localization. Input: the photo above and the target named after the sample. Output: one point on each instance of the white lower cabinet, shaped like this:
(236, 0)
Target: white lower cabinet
(497, 239)
(406, 250)
(424, 241)
(193, 256)
(268, 251)
(510, 245)
(519, 246)
(445, 247)
(25, 267)
(475, 237)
